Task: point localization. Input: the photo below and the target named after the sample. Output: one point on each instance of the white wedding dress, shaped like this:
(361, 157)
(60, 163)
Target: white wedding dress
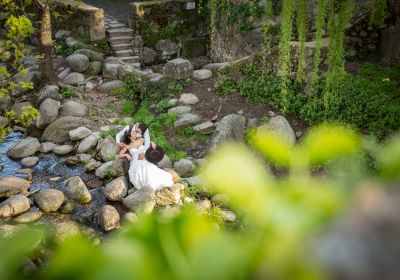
(146, 174)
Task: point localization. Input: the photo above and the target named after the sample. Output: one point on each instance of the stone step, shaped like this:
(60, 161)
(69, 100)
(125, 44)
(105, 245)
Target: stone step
(119, 32)
(121, 40)
(120, 47)
(115, 25)
(124, 53)
(131, 59)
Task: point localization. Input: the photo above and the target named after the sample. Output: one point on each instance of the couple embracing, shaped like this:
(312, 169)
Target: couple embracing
(140, 157)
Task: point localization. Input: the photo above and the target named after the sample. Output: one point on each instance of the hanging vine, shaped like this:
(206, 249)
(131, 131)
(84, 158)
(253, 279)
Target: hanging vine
(301, 20)
(379, 12)
(284, 48)
(319, 26)
(268, 12)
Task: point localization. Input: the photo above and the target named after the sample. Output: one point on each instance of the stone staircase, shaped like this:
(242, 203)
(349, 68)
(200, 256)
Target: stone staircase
(120, 38)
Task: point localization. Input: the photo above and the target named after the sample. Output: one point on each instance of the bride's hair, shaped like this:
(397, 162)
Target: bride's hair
(127, 138)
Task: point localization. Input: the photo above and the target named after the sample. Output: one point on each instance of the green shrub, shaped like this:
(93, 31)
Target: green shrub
(128, 108)
(67, 92)
(224, 84)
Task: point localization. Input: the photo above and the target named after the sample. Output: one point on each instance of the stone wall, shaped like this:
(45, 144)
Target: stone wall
(176, 20)
(86, 19)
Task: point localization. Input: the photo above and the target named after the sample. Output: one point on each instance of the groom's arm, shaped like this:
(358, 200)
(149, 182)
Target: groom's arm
(120, 135)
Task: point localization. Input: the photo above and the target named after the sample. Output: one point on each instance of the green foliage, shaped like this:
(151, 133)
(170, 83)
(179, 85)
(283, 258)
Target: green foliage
(162, 105)
(128, 109)
(63, 49)
(27, 115)
(110, 132)
(67, 92)
(301, 22)
(224, 84)
(379, 12)
(133, 88)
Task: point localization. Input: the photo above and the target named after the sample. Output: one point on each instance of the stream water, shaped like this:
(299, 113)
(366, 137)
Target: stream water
(50, 172)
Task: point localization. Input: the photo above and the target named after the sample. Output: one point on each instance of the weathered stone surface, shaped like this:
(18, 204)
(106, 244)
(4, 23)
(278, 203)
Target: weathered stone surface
(167, 48)
(19, 106)
(188, 99)
(63, 150)
(29, 161)
(205, 128)
(87, 144)
(11, 185)
(201, 74)
(95, 68)
(58, 131)
(228, 216)
(109, 218)
(14, 206)
(149, 56)
(49, 200)
(180, 110)
(92, 55)
(49, 91)
(178, 69)
(169, 196)
(185, 120)
(194, 181)
(184, 167)
(28, 217)
(110, 86)
(170, 211)
(73, 109)
(141, 200)
(74, 78)
(77, 190)
(27, 172)
(3, 121)
(282, 127)
(68, 207)
(175, 176)
(8, 230)
(78, 62)
(173, 102)
(110, 70)
(79, 133)
(48, 112)
(24, 148)
(213, 67)
(165, 162)
(65, 229)
(62, 34)
(203, 205)
(47, 147)
(104, 169)
(117, 189)
(130, 218)
(72, 161)
(108, 148)
(231, 127)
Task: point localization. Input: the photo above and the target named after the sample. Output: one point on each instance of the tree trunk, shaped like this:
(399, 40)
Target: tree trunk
(46, 43)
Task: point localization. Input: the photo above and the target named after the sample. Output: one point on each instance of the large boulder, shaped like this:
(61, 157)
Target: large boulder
(87, 144)
(74, 78)
(24, 148)
(28, 217)
(178, 69)
(79, 133)
(231, 127)
(109, 218)
(29, 161)
(49, 91)
(149, 56)
(63, 150)
(104, 170)
(117, 189)
(73, 109)
(47, 147)
(184, 167)
(110, 70)
(141, 200)
(180, 110)
(92, 55)
(108, 148)
(188, 99)
(49, 200)
(18, 107)
(165, 162)
(186, 119)
(108, 87)
(167, 48)
(202, 74)
(14, 206)
(169, 196)
(281, 126)
(48, 113)
(95, 68)
(58, 131)
(64, 229)
(11, 185)
(77, 190)
(78, 62)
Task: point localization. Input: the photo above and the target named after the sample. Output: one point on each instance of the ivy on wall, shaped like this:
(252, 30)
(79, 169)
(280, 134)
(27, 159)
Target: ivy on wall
(301, 20)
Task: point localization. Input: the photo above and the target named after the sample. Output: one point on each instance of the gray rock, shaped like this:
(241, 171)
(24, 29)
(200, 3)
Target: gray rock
(28, 217)
(29, 161)
(77, 190)
(91, 165)
(203, 205)
(62, 34)
(72, 161)
(33, 77)
(49, 91)
(214, 67)
(173, 102)
(65, 229)
(74, 78)
(282, 127)
(165, 162)
(49, 200)
(110, 86)
(84, 158)
(167, 48)
(188, 99)
(24, 148)
(90, 86)
(58, 131)
(228, 216)
(26, 172)
(180, 110)
(92, 55)
(141, 200)
(149, 56)
(131, 217)
(201, 74)
(68, 207)
(184, 167)
(3, 121)
(71, 108)
(64, 73)
(185, 120)
(14, 206)
(169, 195)
(48, 112)
(78, 62)
(104, 170)
(110, 70)
(109, 218)
(178, 69)
(87, 144)
(47, 147)
(18, 107)
(194, 181)
(11, 185)
(108, 148)
(205, 128)
(63, 150)
(95, 68)
(231, 127)
(117, 189)
(79, 133)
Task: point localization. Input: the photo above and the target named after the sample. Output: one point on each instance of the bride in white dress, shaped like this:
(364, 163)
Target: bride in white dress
(141, 172)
